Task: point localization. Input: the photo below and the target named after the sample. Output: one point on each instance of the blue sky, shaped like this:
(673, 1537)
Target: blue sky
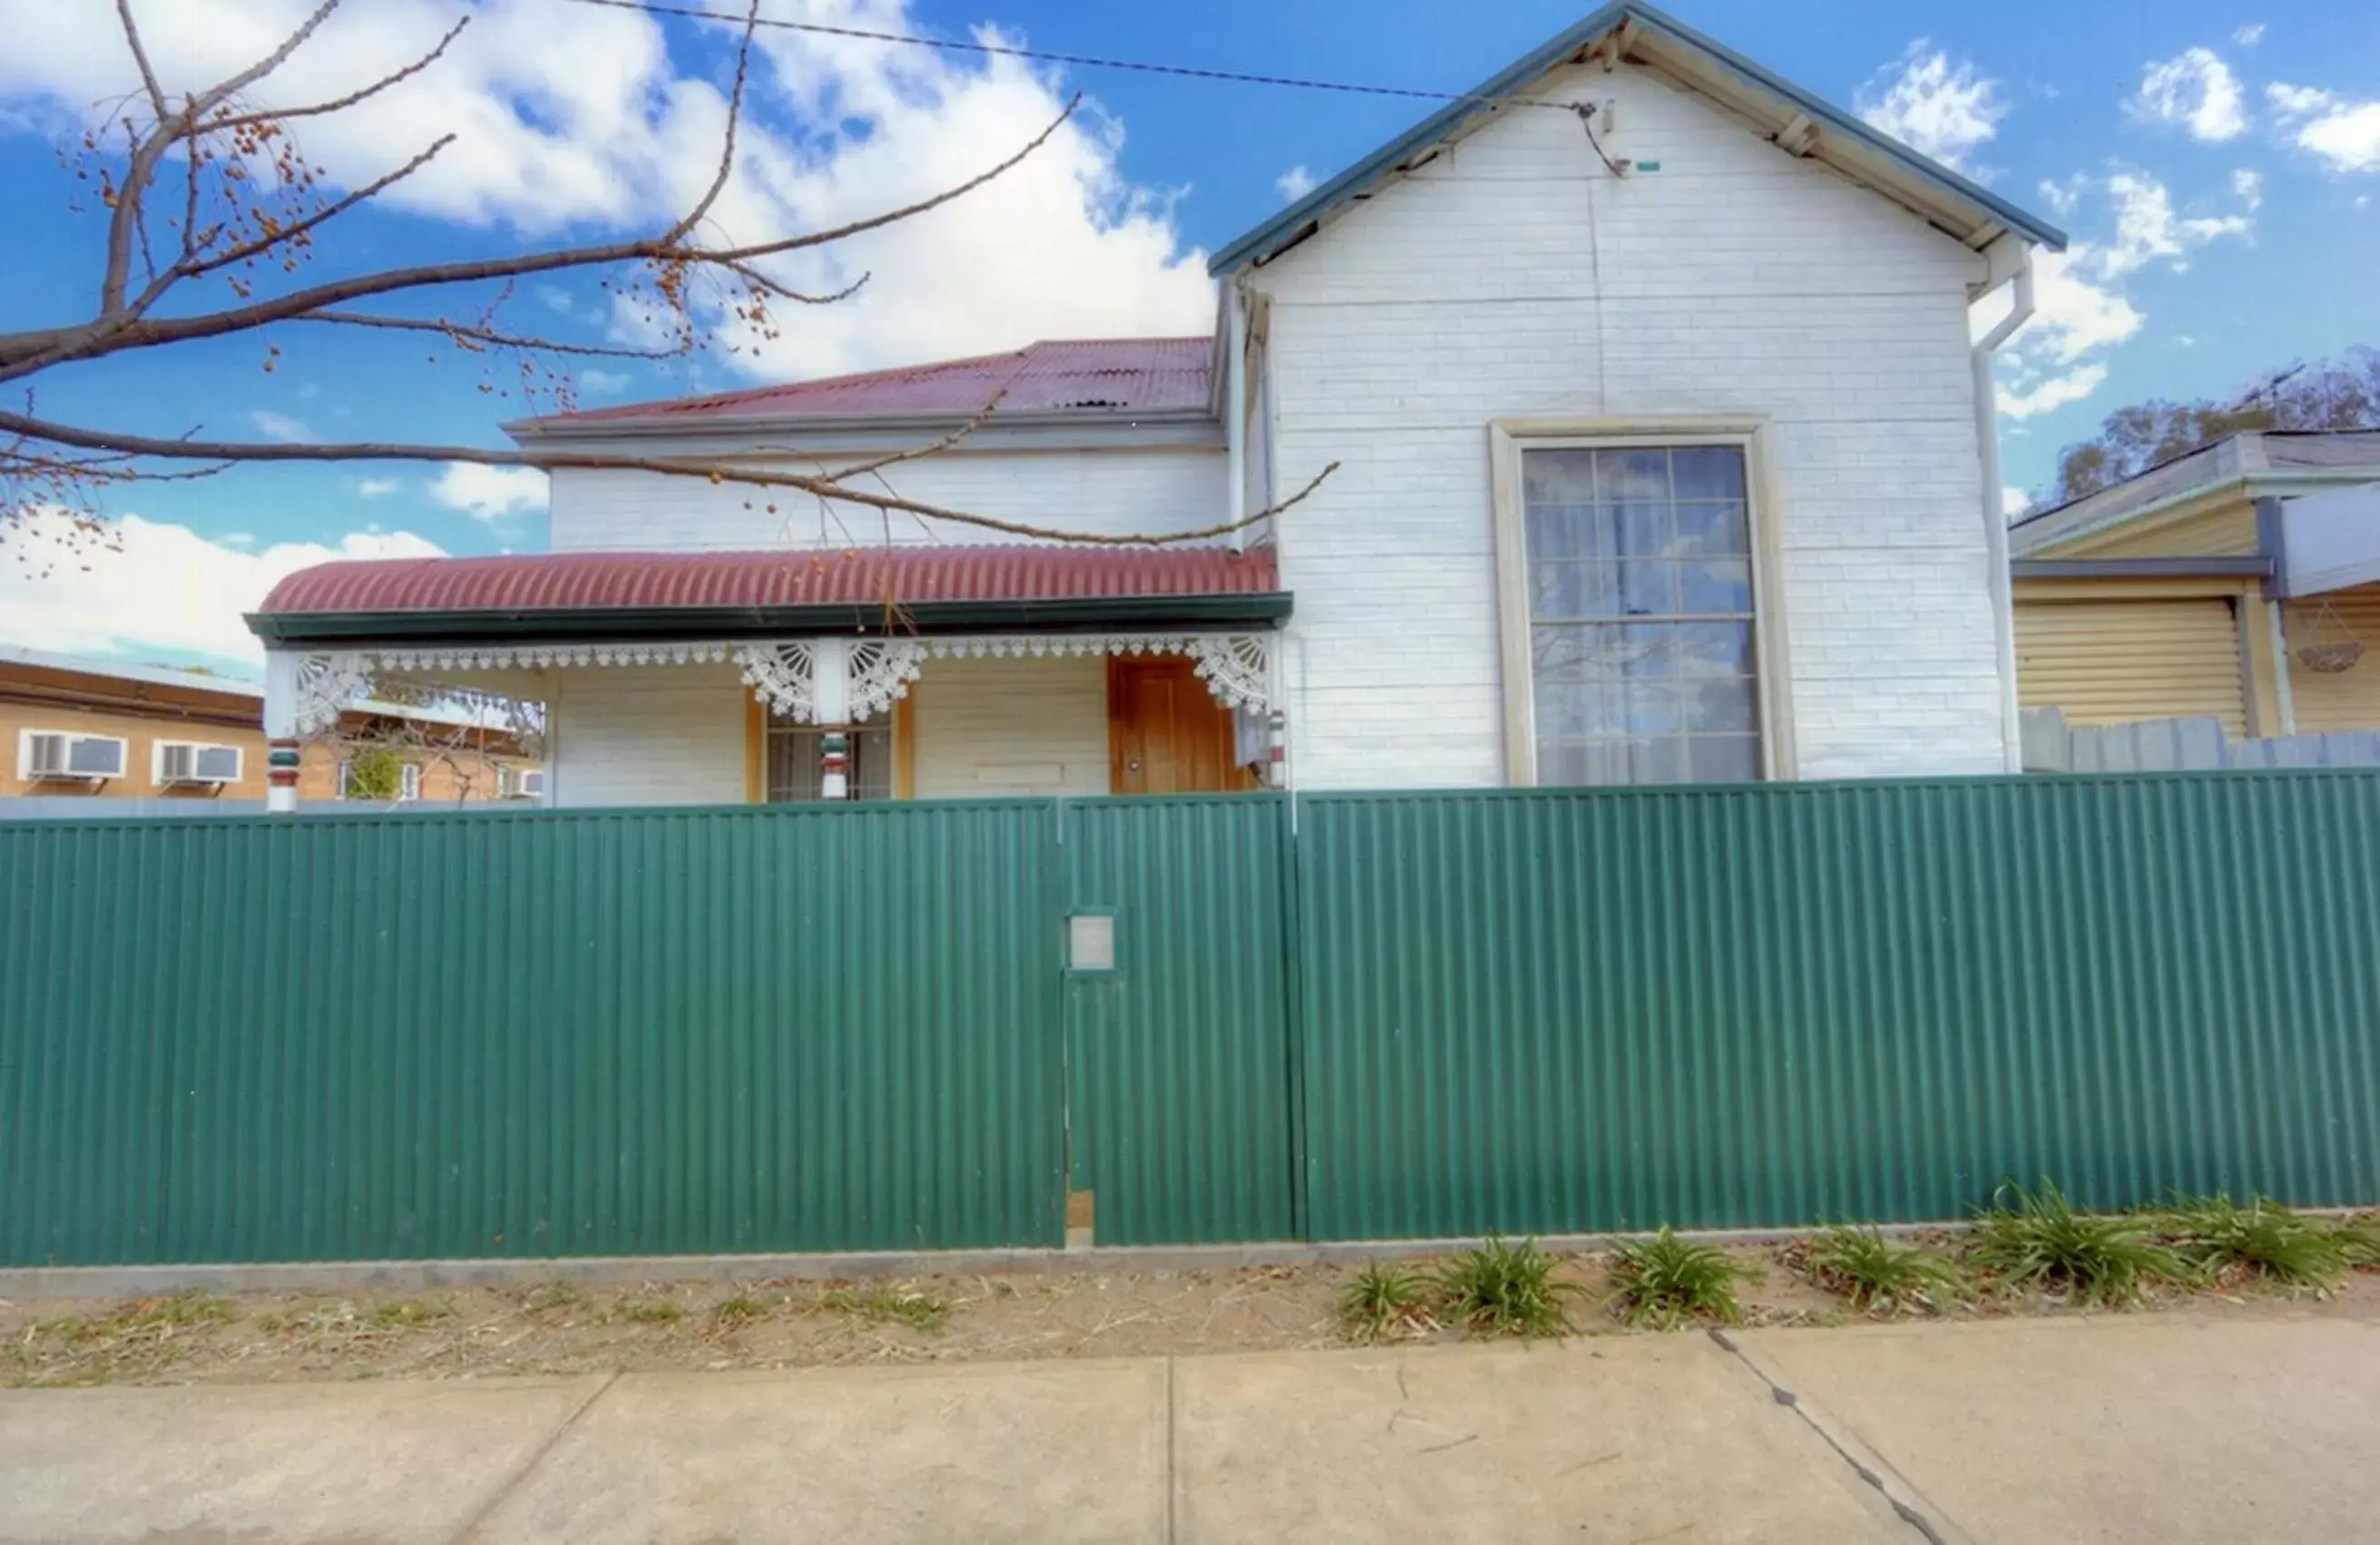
(2216, 162)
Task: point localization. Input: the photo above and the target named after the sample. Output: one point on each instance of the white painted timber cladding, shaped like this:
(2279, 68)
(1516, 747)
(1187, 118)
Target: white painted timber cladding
(649, 735)
(1514, 277)
(981, 728)
(1103, 492)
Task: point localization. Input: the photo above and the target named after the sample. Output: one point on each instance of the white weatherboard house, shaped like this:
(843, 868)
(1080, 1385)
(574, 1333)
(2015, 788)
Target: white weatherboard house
(1664, 454)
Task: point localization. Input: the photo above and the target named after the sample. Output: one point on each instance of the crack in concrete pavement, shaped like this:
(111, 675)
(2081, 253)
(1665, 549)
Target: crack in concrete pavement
(1907, 1504)
(513, 1482)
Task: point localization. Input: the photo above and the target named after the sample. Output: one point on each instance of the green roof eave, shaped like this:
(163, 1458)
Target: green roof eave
(1288, 226)
(672, 624)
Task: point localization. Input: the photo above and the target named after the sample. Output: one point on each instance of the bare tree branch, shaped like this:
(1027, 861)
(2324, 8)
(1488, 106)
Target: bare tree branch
(466, 333)
(141, 57)
(340, 104)
(90, 339)
(727, 140)
(276, 235)
(827, 486)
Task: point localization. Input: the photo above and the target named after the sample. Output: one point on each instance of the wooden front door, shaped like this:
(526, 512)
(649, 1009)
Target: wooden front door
(1166, 732)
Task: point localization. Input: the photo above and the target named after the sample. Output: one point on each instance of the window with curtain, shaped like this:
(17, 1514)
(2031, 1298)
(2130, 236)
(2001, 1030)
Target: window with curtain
(1644, 664)
(794, 759)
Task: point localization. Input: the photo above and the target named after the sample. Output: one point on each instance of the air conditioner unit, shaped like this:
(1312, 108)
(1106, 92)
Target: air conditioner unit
(524, 782)
(62, 754)
(187, 761)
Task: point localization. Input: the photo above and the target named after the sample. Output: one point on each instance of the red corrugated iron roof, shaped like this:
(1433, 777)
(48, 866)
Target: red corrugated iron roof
(1094, 377)
(665, 581)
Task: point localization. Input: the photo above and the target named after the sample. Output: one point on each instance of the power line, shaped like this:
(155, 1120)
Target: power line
(1087, 61)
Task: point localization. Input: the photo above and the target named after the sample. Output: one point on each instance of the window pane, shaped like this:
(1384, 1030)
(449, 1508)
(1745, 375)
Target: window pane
(1562, 763)
(1558, 477)
(1707, 471)
(1713, 528)
(1647, 650)
(1625, 475)
(1722, 703)
(1573, 590)
(1656, 759)
(1641, 531)
(1562, 531)
(1571, 709)
(1710, 649)
(1653, 708)
(1648, 590)
(1724, 759)
(1722, 586)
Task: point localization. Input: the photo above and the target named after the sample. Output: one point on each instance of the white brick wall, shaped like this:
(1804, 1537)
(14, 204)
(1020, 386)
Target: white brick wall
(1514, 277)
(1109, 491)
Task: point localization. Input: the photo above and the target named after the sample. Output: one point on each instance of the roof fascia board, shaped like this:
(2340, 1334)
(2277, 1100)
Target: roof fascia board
(595, 626)
(2141, 569)
(2194, 501)
(1168, 427)
(1653, 27)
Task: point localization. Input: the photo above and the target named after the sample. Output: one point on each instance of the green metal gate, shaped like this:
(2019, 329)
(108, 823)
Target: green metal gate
(1179, 1110)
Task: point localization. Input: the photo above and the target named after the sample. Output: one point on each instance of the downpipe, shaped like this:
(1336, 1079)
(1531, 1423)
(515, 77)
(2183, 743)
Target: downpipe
(1995, 539)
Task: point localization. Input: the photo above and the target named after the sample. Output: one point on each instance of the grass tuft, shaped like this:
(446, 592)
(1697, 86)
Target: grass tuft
(2359, 1242)
(742, 1309)
(2036, 1239)
(1384, 1301)
(554, 1298)
(1663, 1282)
(653, 1311)
(405, 1314)
(1876, 1273)
(919, 1311)
(2262, 1239)
(1505, 1290)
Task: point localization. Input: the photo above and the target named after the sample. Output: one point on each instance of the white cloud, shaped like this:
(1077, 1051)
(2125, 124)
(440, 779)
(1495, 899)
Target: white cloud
(601, 382)
(2014, 501)
(620, 131)
(2050, 392)
(2344, 133)
(555, 296)
(2249, 35)
(489, 493)
(2075, 313)
(2196, 89)
(2248, 184)
(1942, 109)
(2147, 228)
(163, 588)
(2063, 196)
(1294, 184)
(280, 426)
(378, 488)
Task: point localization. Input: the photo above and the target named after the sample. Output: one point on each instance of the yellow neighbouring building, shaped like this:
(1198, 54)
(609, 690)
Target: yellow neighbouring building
(2242, 580)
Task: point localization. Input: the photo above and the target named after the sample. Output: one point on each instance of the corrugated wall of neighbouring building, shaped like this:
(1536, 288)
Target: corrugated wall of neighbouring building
(546, 1034)
(2109, 661)
(1005, 726)
(2348, 699)
(1554, 1012)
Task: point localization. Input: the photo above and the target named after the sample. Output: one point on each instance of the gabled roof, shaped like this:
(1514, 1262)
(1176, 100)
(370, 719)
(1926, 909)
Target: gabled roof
(1090, 379)
(1643, 35)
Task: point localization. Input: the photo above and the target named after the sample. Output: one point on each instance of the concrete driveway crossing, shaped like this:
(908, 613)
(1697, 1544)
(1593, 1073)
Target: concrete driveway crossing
(2148, 1428)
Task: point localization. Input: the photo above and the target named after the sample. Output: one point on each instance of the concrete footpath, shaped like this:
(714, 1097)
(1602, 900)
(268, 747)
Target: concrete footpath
(2149, 1428)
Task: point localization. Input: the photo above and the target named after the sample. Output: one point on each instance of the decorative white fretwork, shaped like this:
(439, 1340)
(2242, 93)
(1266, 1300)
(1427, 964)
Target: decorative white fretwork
(782, 676)
(1237, 668)
(327, 684)
(881, 670)
(534, 657)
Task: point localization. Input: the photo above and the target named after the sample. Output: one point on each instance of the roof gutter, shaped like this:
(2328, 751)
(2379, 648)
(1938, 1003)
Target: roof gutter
(677, 624)
(663, 426)
(2141, 569)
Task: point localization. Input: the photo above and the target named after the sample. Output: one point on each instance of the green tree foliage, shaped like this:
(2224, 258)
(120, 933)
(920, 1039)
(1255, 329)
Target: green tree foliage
(2329, 394)
(376, 773)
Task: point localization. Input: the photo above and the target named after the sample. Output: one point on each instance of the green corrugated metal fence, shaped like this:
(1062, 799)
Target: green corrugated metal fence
(1178, 1061)
(1559, 1010)
(477, 1035)
(644, 1031)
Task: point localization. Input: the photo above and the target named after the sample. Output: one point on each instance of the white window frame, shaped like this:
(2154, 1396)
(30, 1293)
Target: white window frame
(1508, 438)
(408, 781)
(157, 762)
